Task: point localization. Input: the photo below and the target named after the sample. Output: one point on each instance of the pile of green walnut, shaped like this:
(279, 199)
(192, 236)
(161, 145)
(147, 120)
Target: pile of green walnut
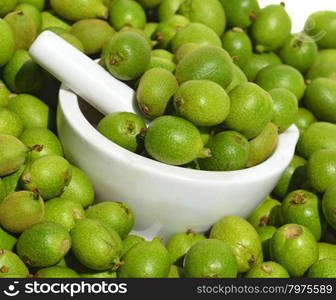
(220, 79)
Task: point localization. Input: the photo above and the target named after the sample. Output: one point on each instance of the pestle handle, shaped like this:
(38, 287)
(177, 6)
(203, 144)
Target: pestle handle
(82, 75)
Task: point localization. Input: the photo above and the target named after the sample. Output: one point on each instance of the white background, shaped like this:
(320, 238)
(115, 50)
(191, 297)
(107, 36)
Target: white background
(299, 10)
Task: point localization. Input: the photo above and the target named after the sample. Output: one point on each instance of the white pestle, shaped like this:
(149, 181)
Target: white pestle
(82, 75)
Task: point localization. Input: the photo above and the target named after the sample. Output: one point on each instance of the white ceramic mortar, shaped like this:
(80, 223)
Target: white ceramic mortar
(165, 199)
